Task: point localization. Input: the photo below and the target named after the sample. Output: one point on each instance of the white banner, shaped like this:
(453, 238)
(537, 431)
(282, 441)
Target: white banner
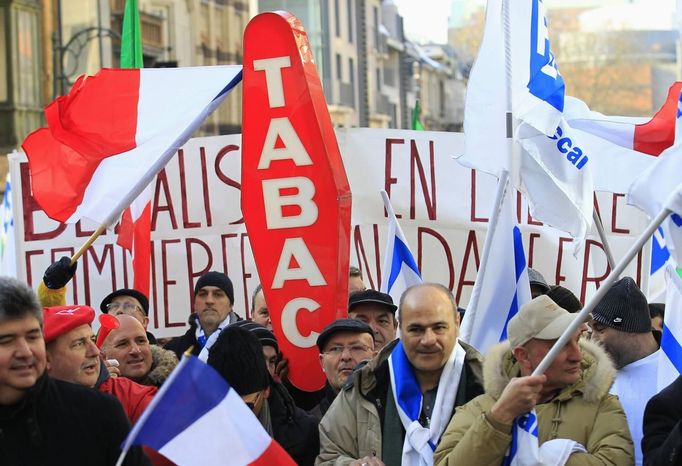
(197, 225)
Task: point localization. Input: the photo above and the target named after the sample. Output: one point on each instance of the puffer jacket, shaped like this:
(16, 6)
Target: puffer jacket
(584, 412)
(360, 416)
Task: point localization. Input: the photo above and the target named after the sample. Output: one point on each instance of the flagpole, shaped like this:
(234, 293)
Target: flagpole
(150, 407)
(100, 229)
(603, 289)
(602, 236)
(472, 307)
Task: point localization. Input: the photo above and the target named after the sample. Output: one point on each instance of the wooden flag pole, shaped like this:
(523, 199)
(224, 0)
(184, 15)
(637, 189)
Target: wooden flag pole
(101, 229)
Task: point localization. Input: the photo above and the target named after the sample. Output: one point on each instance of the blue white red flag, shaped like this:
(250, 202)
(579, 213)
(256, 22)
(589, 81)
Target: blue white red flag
(197, 418)
(504, 287)
(400, 270)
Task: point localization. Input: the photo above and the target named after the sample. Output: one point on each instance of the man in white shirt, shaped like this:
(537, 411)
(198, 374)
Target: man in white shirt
(621, 323)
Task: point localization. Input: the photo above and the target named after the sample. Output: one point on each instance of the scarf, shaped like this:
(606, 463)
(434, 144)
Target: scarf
(420, 442)
(206, 342)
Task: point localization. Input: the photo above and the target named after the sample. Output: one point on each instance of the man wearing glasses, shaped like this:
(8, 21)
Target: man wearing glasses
(343, 345)
(129, 302)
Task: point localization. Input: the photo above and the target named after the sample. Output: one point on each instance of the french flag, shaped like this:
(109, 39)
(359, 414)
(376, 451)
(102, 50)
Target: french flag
(400, 270)
(502, 284)
(621, 148)
(113, 132)
(197, 418)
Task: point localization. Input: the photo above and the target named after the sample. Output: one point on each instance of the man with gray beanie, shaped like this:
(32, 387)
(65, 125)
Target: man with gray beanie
(621, 324)
(578, 421)
(212, 306)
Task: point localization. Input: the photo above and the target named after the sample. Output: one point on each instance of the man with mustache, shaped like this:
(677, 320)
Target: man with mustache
(394, 409)
(578, 421)
(377, 310)
(44, 420)
(213, 300)
(138, 360)
(343, 345)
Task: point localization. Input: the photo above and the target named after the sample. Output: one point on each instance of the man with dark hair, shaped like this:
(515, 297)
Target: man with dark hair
(213, 300)
(377, 310)
(259, 308)
(565, 298)
(394, 410)
(620, 322)
(46, 421)
(657, 315)
(355, 282)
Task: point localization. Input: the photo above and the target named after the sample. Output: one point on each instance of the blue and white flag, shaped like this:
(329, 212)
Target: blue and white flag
(659, 258)
(400, 270)
(197, 418)
(670, 359)
(524, 449)
(659, 187)
(8, 257)
(503, 287)
(553, 171)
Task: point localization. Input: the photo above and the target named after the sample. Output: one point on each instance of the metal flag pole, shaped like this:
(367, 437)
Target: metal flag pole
(602, 236)
(603, 289)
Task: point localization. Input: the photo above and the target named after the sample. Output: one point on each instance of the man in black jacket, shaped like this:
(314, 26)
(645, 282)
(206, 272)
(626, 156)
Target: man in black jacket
(662, 442)
(42, 420)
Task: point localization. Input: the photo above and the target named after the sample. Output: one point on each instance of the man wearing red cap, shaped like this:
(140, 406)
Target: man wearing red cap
(73, 357)
(43, 420)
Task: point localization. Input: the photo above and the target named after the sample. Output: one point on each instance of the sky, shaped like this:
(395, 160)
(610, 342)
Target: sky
(425, 20)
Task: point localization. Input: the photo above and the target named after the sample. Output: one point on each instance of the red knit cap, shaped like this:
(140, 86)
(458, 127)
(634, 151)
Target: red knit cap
(58, 320)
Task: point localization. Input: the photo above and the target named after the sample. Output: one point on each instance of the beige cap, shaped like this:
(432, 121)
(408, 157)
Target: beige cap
(540, 318)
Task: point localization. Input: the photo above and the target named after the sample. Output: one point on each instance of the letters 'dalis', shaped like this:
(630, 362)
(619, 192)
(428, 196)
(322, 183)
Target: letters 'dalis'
(295, 195)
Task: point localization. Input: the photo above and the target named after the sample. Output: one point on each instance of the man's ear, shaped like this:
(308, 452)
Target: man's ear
(266, 393)
(521, 355)
(145, 322)
(321, 365)
(48, 357)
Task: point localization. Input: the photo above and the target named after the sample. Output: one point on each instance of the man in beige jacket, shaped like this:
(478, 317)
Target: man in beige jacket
(571, 399)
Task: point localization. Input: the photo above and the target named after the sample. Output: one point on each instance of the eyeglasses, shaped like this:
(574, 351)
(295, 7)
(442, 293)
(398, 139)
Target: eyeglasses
(126, 308)
(355, 350)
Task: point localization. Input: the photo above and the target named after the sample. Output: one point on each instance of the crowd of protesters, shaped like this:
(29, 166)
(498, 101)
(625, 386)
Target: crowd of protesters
(400, 387)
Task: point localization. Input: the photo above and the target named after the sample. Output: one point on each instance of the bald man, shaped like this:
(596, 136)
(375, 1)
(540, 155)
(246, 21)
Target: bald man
(138, 360)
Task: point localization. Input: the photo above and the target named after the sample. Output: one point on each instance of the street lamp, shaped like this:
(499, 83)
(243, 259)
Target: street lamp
(73, 50)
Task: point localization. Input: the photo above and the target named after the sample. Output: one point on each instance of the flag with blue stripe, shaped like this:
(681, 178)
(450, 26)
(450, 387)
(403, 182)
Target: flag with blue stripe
(197, 418)
(524, 449)
(670, 360)
(399, 270)
(555, 172)
(8, 255)
(504, 287)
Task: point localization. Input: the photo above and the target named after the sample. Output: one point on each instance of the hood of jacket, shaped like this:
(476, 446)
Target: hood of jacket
(163, 363)
(597, 372)
(378, 367)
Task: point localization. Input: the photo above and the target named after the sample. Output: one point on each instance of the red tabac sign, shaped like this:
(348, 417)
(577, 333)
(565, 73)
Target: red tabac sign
(295, 195)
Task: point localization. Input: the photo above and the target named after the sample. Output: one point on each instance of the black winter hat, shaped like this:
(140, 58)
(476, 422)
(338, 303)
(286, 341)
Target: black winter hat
(217, 279)
(265, 336)
(237, 355)
(371, 297)
(125, 292)
(565, 298)
(624, 307)
(342, 325)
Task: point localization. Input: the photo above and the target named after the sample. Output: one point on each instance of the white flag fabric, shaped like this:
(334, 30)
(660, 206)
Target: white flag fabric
(504, 287)
(554, 171)
(659, 187)
(670, 360)
(8, 257)
(400, 270)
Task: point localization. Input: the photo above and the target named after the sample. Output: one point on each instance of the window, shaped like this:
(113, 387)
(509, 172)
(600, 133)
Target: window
(350, 21)
(378, 79)
(339, 73)
(337, 18)
(375, 20)
(351, 70)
